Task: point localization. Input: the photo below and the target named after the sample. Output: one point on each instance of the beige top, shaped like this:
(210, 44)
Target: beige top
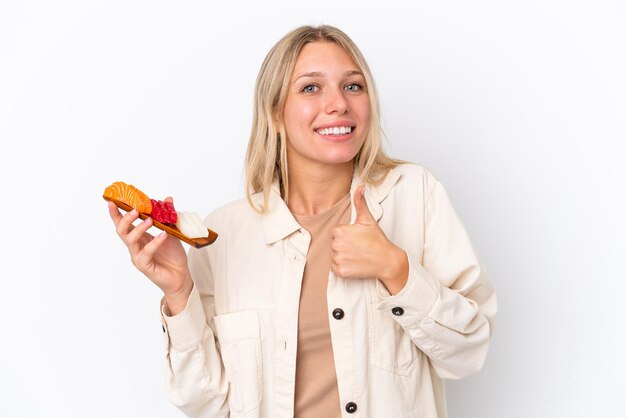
(232, 351)
(316, 381)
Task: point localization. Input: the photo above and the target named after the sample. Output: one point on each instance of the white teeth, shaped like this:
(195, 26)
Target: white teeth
(337, 130)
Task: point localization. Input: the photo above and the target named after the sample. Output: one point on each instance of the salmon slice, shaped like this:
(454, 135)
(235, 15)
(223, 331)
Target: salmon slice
(130, 195)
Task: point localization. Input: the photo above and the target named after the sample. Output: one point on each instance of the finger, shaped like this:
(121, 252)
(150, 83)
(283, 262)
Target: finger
(133, 237)
(147, 253)
(363, 214)
(125, 224)
(169, 199)
(114, 213)
(336, 232)
(339, 271)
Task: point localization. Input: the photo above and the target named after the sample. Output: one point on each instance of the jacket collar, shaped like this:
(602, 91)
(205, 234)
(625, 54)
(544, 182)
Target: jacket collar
(278, 222)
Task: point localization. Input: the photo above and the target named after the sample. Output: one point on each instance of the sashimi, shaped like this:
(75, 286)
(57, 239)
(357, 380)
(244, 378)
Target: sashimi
(190, 224)
(130, 195)
(163, 212)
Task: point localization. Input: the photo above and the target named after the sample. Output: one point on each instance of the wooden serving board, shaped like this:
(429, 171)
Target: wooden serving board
(170, 229)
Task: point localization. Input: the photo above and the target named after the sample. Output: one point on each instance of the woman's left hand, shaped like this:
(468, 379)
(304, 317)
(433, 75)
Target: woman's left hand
(362, 250)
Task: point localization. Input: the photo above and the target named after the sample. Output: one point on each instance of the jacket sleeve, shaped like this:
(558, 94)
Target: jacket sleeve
(196, 382)
(447, 305)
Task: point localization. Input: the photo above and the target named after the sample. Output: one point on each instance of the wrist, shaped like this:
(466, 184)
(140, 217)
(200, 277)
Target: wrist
(396, 272)
(176, 301)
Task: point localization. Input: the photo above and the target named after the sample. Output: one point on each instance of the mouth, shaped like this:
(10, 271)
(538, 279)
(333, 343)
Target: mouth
(336, 131)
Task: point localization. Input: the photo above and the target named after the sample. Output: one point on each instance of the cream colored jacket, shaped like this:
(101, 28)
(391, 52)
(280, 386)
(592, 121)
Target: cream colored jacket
(232, 351)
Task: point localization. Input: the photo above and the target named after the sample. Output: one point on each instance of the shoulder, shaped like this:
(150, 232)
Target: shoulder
(411, 175)
(411, 170)
(236, 211)
(235, 205)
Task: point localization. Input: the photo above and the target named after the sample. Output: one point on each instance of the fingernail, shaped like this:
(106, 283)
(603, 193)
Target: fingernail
(148, 219)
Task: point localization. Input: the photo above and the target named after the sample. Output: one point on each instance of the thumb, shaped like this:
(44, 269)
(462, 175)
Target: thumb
(169, 199)
(363, 214)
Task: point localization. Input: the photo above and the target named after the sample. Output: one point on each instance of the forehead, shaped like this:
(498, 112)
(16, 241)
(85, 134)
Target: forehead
(323, 57)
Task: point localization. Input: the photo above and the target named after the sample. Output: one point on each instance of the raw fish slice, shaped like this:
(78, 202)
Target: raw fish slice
(190, 224)
(130, 195)
(163, 212)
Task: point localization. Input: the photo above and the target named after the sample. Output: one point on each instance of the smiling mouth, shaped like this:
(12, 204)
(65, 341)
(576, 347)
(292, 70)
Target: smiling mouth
(337, 130)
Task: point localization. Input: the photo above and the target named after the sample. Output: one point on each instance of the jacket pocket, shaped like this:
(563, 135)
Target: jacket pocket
(390, 346)
(240, 345)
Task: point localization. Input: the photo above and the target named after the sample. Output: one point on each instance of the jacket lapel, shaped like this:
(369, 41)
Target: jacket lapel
(374, 194)
(279, 223)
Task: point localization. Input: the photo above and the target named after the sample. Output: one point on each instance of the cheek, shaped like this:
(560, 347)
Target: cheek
(362, 108)
(299, 116)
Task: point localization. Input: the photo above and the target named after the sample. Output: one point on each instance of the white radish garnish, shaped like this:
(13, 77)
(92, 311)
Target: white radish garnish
(190, 224)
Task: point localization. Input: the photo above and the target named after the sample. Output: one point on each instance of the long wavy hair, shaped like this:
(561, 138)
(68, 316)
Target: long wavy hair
(266, 156)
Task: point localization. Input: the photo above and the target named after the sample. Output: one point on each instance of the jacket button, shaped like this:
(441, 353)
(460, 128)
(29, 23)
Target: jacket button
(338, 313)
(351, 407)
(397, 311)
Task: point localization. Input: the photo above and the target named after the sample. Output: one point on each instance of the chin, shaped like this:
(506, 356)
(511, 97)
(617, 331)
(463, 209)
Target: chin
(340, 159)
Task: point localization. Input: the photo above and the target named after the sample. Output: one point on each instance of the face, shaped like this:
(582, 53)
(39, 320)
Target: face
(327, 110)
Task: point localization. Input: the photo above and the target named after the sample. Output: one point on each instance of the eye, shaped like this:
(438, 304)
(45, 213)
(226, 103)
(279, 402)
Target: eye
(310, 88)
(354, 87)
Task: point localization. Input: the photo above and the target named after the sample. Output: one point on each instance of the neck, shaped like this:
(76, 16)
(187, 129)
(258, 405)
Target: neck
(318, 188)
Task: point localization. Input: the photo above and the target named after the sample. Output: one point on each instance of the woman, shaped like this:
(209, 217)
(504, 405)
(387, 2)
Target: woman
(255, 324)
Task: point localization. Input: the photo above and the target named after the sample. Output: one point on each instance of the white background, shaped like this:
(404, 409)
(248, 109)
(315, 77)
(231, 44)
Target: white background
(518, 107)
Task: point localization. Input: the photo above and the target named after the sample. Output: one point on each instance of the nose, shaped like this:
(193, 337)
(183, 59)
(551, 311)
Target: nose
(336, 102)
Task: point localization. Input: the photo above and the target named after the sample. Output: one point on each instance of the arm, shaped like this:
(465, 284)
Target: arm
(447, 304)
(196, 382)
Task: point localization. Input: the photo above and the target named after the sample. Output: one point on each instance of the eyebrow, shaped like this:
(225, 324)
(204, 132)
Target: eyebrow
(321, 75)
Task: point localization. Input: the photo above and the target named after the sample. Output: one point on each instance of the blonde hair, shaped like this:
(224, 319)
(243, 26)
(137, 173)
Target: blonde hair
(266, 157)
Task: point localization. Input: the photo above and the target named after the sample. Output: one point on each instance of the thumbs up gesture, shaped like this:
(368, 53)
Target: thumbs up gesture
(362, 250)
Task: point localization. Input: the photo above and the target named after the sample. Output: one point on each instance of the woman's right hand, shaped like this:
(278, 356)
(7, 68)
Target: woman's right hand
(162, 258)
